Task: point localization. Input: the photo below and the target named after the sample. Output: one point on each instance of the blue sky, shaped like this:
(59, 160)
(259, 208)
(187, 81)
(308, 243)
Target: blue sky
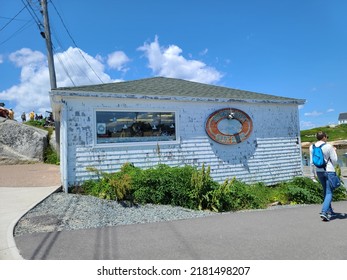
(290, 48)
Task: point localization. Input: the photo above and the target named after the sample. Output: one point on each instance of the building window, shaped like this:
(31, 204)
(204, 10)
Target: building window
(128, 127)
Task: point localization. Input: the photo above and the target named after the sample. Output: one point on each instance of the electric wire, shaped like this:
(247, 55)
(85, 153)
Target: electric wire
(23, 27)
(75, 43)
(41, 28)
(19, 30)
(12, 19)
(69, 62)
(67, 67)
(33, 15)
(65, 70)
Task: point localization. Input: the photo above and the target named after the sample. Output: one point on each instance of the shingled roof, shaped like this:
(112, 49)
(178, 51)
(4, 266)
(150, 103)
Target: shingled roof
(342, 116)
(160, 86)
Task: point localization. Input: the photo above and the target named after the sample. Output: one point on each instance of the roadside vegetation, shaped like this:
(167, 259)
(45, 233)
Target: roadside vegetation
(195, 189)
(335, 133)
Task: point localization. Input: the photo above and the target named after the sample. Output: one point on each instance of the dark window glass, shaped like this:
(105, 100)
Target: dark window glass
(123, 127)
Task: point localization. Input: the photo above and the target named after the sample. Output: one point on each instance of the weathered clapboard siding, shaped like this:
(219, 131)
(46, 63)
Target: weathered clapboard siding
(275, 160)
(270, 155)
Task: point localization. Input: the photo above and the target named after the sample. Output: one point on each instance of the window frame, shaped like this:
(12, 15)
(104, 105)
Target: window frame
(135, 143)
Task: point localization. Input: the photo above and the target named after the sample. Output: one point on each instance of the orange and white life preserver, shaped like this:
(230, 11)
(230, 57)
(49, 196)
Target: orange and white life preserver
(229, 126)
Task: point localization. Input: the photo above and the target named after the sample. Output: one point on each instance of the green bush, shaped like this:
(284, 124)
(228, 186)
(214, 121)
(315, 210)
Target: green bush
(164, 185)
(194, 189)
(302, 190)
(51, 156)
(202, 188)
(113, 186)
(234, 195)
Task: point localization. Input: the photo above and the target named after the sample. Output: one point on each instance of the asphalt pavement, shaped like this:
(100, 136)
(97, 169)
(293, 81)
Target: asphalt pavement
(285, 233)
(295, 233)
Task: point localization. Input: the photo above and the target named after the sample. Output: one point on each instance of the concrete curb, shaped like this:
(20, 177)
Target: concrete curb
(11, 251)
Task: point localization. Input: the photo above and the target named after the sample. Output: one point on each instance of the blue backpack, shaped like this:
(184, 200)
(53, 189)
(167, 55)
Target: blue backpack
(318, 156)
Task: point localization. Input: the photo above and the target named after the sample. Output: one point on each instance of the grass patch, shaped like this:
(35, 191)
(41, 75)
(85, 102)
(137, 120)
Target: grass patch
(338, 132)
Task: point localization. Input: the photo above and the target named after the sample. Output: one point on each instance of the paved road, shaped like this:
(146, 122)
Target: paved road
(283, 234)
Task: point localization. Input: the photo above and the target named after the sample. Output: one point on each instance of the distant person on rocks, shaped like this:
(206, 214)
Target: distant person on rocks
(23, 116)
(11, 114)
(330, 157)
(32, 115)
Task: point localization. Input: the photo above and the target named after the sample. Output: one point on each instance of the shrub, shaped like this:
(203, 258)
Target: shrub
(113, 186)
(202, 187)
(192, 188)
(239, 197)
(164, 185)
(51, 156)
(302, 190)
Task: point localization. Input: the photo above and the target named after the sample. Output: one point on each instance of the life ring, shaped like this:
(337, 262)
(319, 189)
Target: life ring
(229, 126)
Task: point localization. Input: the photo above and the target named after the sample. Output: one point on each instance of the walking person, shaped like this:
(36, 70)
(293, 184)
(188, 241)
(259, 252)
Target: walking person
(324, 171)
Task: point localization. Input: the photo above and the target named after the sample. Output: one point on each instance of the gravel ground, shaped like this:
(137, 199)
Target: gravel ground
(61, 211)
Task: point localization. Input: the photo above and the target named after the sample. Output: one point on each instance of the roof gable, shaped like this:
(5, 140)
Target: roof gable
(160, 86)
(343, 116)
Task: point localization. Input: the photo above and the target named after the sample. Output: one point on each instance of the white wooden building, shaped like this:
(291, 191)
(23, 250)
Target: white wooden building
(342, 118)
(251, 136)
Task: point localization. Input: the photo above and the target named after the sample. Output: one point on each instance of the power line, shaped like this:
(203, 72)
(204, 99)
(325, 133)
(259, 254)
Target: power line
(33, 15)
(27, 24)
(75, 43)
(70, 63)
(28, 4)
(65, 70)
(12, 18)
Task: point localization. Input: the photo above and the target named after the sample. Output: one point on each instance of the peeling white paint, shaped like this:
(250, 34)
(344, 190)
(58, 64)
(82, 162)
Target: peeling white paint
(271, 154)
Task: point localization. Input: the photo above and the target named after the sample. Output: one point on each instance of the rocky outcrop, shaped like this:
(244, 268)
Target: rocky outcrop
(21, 143)
(340, 144)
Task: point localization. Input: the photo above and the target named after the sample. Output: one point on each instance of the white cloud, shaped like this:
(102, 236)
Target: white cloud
(1, 58)
(32, 92)
(75, 67)
(330, 110)
(313, 114)
(306, 125)
(169, 62)
(26, 57)
(117, 60)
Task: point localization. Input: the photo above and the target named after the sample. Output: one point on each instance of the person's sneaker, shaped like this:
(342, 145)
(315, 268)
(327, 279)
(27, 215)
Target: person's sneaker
(332, 214)
(325, 216)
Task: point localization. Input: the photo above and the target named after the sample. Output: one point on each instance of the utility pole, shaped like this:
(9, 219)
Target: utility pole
(51, 68)
(47, 36)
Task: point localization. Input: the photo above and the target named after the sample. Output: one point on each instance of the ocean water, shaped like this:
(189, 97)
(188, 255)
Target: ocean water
(341, 154)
